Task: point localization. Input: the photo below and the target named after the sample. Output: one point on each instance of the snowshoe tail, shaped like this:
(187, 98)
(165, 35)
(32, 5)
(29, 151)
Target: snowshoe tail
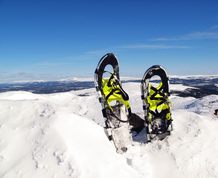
(156, 104)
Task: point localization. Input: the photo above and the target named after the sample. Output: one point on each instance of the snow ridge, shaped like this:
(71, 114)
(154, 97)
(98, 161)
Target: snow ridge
(62, 135)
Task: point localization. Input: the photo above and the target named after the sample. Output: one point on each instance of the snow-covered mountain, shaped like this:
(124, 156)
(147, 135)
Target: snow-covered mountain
(62, 135)
(198, 86)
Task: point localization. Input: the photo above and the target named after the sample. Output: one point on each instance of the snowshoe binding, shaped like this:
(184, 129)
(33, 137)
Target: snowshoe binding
(114, 100)
(156, 104)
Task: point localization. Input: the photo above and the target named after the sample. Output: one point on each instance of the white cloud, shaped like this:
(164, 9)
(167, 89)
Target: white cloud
(145, 46)
(214, 27)
(135, 47)
(23, 75)
(203, 35)
(50, 64)
(192, 36)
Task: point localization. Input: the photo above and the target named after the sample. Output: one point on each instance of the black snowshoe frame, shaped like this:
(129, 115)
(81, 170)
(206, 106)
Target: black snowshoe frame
(110, 59)
(159, 126)
(117, 128)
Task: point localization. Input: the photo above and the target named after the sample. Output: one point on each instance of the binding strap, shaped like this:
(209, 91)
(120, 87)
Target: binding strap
(157, 101)
(114, 92)
(117, 88)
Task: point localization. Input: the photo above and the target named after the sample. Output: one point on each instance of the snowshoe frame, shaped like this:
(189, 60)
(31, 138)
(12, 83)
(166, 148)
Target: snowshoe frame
(163, 92)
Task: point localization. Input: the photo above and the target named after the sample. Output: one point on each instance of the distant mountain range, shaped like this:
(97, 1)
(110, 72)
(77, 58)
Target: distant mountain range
(199, 86)
(47, 87)
(203, 86)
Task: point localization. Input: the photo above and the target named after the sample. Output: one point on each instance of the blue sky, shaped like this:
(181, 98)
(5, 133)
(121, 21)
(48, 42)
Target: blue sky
(57, 39)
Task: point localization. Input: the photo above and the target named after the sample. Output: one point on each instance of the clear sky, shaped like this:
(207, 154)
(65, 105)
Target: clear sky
(57, 39)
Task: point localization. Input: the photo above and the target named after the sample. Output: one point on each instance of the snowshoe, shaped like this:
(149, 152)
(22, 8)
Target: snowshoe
(114, 100)
(156, 104)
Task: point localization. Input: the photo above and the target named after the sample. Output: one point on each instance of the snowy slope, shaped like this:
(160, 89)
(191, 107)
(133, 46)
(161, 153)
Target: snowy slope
(61, 135)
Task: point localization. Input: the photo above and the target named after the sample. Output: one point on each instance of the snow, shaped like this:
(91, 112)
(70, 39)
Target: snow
(194, 76)
(62, 135)
(75, 79)
(28, 81)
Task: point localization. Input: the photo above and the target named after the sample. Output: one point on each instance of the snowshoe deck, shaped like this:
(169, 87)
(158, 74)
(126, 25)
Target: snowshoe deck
(116, 114)
(156, 104)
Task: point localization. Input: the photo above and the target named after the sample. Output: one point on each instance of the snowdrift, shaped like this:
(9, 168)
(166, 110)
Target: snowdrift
(62, 135)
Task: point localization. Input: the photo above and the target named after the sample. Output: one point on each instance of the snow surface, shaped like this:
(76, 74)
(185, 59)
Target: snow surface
(61, 135)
